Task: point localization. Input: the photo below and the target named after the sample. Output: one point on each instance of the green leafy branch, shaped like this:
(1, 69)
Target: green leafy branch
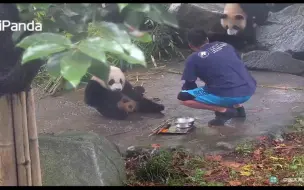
(74, 57)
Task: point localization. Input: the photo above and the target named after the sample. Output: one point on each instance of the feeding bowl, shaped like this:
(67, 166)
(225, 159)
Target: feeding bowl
(184, 122)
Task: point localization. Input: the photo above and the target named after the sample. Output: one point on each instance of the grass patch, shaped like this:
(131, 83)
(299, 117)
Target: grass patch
(266, 162)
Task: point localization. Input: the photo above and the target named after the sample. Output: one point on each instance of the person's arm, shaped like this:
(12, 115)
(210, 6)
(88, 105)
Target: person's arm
(189, 74)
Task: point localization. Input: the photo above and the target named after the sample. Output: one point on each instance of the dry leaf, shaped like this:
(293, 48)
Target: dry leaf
(260, 166)
(215, 158)
(234, 183)
(276, 158)
(262, 138)
(246, 170)
(208, 173)
(245, 173)
(257, 154)
(282, 145)
(155, 145)
(231, 164)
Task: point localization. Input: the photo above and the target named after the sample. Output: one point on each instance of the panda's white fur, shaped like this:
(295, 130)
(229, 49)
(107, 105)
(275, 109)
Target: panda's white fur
(116, 79)
(234, 16)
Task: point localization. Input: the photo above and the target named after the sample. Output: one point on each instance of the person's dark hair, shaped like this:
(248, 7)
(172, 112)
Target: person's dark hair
(196, 37)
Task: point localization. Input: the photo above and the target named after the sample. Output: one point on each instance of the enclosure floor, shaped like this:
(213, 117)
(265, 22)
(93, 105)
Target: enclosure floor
(268, 110)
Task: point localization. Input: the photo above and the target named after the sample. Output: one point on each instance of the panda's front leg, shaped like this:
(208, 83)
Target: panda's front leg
(113, 112)
(134, 94)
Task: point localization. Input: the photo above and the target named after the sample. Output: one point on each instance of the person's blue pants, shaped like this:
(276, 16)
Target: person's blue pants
(200, 95)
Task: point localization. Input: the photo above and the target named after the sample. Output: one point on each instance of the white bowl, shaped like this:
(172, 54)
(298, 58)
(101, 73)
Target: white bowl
(184, 122)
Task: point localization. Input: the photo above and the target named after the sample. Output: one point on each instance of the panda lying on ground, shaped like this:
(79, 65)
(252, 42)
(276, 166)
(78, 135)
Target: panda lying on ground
(116, 97)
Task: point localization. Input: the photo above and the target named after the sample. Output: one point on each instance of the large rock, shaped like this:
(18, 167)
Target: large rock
(273, 61)
(286, 33)
(77, 159)
(205, 15)
(191, 15)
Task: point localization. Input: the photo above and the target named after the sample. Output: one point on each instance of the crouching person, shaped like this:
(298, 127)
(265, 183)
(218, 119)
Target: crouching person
(228, 84)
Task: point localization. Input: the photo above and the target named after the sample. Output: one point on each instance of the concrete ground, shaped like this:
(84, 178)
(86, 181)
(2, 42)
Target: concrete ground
(269, 110)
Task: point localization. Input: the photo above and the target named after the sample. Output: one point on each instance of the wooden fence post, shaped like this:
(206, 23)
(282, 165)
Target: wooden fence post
(19, 150)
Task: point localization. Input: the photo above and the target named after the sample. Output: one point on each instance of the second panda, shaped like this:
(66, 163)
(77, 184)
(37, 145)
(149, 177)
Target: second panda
(239, 21)
(116, 97)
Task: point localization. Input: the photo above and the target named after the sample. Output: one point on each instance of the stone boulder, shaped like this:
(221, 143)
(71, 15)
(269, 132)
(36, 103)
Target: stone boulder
(285, 33)
(205, 15)
(78, 159)
(273, 61)
(189, 15)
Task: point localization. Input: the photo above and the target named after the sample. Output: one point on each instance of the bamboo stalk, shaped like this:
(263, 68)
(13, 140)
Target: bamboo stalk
(8, 172)
(26, 139)
(17, 120)
(33, 139)
(160, 127)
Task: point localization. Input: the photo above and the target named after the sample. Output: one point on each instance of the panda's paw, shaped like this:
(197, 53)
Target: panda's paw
(161, 107)
(139, 89)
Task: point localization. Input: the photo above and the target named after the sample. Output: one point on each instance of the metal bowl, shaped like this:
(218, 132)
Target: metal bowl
(184, 122)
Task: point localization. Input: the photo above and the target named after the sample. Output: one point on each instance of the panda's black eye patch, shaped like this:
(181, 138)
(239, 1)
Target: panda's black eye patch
(130, 107)
(223, 16)
(239, 17)
(111, 82)
(120, 81)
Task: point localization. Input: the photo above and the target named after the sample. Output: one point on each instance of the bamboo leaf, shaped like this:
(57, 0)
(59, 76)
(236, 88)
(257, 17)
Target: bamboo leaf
(133, 54)
(74, 66)
(93, 50)
(100, 70)
(53, 64)
(103, 44)
(112, 31)
(44, 38)
(145, 38)
(40, 51)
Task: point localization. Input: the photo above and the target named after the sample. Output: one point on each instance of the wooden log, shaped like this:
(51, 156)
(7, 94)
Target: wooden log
(19, 142)
(8, 172)
(27, 163)
(33, 139)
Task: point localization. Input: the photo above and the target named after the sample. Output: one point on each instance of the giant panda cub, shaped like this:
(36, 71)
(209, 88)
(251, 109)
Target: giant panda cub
(239, 21)
(116, 97)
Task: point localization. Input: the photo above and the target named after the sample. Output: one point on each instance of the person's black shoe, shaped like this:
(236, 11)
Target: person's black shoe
(222, 117)
(241, 112)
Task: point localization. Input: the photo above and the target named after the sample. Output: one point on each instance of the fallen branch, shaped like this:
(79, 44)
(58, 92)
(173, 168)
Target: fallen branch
(174, 72)
(161, 127)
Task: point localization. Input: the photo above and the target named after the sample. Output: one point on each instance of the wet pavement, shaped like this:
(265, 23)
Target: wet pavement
(268, 111)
